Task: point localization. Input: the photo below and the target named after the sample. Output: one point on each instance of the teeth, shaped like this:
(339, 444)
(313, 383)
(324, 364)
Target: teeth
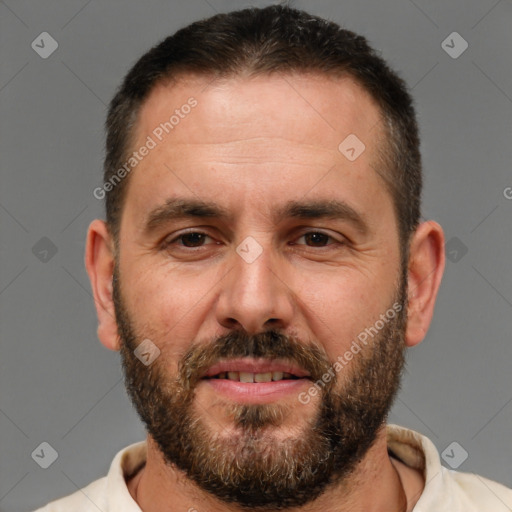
(246, 377)
(254, 377)
(263, 377)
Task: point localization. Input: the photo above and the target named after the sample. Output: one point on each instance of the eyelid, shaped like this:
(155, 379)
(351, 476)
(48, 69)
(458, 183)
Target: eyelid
(172, 239)
(342, 239)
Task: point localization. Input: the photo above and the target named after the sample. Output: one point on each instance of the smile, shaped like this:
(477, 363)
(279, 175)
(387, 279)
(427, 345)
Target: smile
(256, 380)
(255, 377)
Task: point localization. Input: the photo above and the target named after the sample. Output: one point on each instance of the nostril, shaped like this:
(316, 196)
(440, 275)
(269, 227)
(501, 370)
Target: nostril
(232, 322)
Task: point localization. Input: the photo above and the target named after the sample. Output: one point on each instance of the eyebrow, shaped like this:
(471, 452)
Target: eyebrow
(175, 209)
(182, 208)
(322, 209)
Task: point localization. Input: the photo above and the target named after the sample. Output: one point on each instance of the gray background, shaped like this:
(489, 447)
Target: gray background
(61, 386)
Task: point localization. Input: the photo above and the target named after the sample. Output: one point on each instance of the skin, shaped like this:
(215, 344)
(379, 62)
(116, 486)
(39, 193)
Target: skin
(250, 145)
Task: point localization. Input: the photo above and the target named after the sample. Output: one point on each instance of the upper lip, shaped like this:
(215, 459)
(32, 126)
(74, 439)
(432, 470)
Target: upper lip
(251, 365)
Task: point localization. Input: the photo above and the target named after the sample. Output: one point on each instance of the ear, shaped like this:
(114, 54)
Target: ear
(426, 267)
(99, 262)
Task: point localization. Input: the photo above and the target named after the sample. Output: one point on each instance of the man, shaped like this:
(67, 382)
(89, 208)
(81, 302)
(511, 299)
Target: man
(262, 269)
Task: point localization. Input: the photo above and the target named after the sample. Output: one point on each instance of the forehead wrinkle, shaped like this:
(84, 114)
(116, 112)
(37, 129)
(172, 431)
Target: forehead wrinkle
(163, 100)
(236, 146)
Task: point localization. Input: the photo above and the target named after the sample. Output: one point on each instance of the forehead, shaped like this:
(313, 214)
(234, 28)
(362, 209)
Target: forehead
(266, 136)
(327, 108)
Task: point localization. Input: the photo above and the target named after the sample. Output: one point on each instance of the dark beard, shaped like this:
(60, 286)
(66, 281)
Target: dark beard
(250, 467)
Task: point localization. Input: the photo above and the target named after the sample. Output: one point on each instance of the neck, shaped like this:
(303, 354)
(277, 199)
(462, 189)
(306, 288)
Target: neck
(377, 484)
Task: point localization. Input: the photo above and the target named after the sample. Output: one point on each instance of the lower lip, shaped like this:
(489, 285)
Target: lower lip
(257, 392)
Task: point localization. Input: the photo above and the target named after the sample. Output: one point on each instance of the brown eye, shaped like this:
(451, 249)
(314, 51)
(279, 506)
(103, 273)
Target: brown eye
(316, 238)
(192, 239)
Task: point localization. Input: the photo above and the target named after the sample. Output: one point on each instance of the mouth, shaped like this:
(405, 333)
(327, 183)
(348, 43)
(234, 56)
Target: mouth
(255, 370)
(255, 377)
(256, 381)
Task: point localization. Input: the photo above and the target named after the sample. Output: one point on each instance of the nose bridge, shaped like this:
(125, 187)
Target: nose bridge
(254, 296)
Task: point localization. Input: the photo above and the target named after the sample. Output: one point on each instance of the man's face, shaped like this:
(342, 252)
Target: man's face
(269, 289)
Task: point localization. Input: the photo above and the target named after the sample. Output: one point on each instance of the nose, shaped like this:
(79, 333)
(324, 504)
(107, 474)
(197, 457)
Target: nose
(255, 295)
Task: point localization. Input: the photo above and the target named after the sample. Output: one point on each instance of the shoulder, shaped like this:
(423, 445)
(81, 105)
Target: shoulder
(108, 493)
(445, 490)
(481, 493)
(90, 498)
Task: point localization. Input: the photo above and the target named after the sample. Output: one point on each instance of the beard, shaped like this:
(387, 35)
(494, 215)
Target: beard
(248, 464)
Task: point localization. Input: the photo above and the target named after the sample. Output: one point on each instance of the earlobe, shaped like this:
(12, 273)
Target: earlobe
(425, 271)
(99, 263)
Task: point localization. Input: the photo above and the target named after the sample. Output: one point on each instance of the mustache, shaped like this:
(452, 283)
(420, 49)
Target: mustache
(269, 345)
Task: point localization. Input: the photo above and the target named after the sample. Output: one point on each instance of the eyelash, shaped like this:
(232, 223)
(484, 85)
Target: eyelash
(167, 243)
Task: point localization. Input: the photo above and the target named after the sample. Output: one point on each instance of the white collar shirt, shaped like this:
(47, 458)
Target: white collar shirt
(445, 490)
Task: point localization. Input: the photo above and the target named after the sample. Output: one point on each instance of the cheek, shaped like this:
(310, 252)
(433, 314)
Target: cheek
(152, 299)
(168, 307)
(341, 308)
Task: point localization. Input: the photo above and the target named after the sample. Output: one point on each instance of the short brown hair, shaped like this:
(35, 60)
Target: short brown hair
(264, 41)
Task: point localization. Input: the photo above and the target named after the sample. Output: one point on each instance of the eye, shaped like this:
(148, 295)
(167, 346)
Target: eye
(191, 239)
(317, 239)
(196, 239)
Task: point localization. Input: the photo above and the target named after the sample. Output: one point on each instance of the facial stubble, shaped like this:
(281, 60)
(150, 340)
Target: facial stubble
(248, 464)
